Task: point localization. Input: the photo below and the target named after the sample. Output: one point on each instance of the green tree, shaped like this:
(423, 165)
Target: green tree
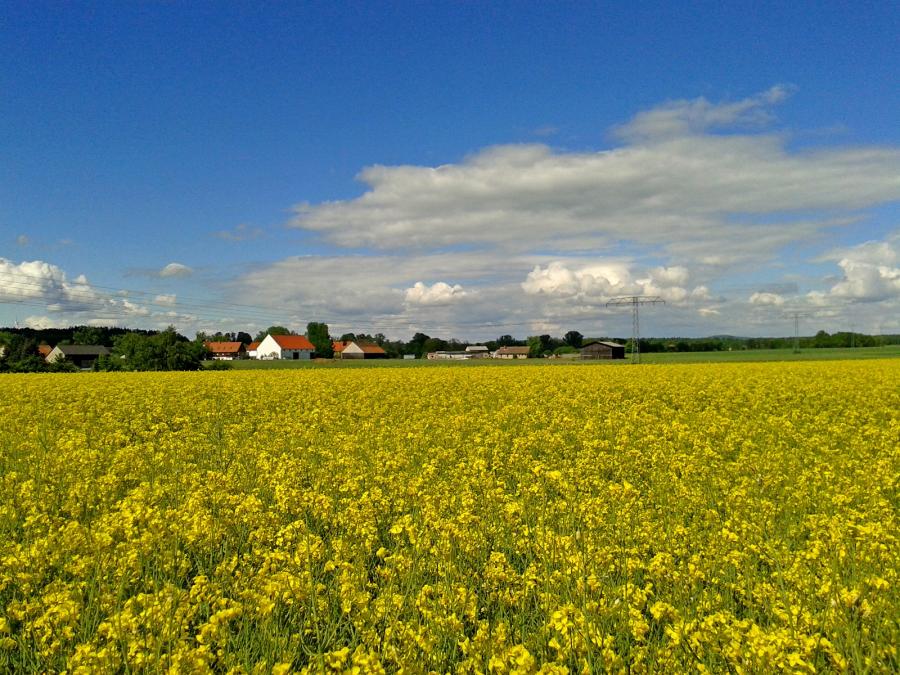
(90, 335)
(574, 339)
(317, 333)
(164, 351)
(538, 345)
(272, 330)
(20, 355)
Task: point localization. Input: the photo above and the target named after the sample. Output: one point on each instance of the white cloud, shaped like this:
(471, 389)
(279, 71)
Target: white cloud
(600, 281)
(29, 280)
(165, 299)
(762, 298)
(43, 322)
(676, 275)
(870, 271)
(690, 195)
(683, 117)
(698, 187)
(70, 300)
(174, 269)
(439, 293)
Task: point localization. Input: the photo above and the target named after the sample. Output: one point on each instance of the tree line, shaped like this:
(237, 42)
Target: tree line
(130, 350)
(136, 349)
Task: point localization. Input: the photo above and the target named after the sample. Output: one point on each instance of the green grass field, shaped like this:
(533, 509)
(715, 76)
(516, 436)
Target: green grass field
(890, 351)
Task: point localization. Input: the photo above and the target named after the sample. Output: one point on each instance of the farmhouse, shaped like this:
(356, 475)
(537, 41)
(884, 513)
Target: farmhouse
(83, 356)
(354, 349)
(512, 353)
(226, 351)
(478, 351)
(251, 350)
(292, 347)
(599, 349)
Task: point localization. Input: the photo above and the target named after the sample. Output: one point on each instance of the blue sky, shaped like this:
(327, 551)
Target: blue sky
(465, 169)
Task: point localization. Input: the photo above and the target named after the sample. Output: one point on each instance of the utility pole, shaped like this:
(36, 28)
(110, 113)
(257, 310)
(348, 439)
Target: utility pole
(635, 301)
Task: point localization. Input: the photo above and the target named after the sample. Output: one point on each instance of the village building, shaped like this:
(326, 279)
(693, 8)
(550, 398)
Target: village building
(354, 349)
(512, 353)
(251, 350)
(599, 349)
(448, 356)
(83, 356)
(226, 351)
(478, 352)
(289, 347)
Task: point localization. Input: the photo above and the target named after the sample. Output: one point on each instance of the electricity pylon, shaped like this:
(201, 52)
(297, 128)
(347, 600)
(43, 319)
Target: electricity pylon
(796, 315)
(635, 301)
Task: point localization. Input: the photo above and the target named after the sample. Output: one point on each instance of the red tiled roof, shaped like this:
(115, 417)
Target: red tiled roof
(293, 342)
(44, 350)
(367, 348)
(224, 347)
(252, 346)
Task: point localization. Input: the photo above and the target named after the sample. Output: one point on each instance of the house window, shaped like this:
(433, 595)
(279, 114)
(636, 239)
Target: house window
(296, 355)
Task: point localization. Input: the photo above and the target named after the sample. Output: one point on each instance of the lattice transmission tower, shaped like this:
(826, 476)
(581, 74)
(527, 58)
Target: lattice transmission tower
(635, 301)
(796, 315)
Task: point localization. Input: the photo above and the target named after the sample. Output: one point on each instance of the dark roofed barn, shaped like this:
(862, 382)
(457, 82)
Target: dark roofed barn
(602, 350)
(83, 356)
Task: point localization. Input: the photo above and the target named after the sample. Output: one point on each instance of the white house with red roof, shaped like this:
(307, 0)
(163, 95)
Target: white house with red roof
(251, 350)
(291, 347)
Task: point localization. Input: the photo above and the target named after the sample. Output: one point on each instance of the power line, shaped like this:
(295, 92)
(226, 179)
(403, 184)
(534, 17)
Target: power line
(635, 301)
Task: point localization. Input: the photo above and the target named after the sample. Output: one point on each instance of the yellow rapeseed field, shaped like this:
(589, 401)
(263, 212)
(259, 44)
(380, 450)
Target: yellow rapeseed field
(553, 519)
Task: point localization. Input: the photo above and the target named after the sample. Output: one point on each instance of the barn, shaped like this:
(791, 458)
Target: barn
(599, 349)
(83, 356)
(353, 349)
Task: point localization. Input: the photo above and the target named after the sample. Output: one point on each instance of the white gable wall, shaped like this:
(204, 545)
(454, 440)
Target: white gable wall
(270, 349)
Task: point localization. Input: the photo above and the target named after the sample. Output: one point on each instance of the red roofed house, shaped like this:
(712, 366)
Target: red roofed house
(353, 349)
(226, 351)
(251, 350)
(294, 347)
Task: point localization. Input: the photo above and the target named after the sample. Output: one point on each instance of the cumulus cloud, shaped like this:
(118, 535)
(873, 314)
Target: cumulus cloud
(37, 280)
(439, 293)
(71, 300)
(42, 322)
(762, 298)
(599, 282)
(174, 269)
(870, 272)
